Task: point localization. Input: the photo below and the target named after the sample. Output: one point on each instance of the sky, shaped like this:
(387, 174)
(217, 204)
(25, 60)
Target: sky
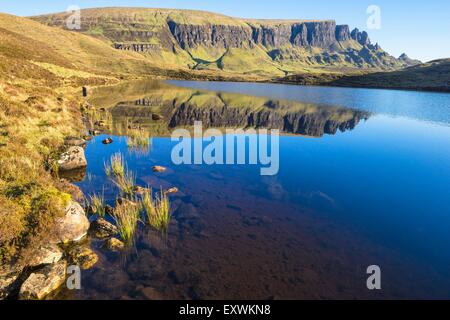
(418, 28)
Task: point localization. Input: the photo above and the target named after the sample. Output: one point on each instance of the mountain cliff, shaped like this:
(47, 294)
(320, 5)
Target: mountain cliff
(203, 40)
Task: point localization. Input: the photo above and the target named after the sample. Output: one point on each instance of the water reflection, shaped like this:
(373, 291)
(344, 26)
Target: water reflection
(339, 204)
(160, 108)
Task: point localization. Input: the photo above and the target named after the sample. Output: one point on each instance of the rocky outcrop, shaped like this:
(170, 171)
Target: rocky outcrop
(361, 37)
(73, 226)
(41, 283)
(316, 34)
(72, 159)
(343, 33)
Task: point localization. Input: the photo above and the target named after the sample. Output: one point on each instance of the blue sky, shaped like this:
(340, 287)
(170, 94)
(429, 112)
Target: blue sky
(419, 28)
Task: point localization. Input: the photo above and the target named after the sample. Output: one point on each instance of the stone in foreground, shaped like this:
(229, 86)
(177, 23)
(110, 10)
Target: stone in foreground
(43, 282)
(46, 254)
(72, 159)
(73, 226)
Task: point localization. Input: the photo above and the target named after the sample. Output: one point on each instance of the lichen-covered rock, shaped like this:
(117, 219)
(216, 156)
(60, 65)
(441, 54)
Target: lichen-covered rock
(101, 228)
(46, 254)
(82, 256)
(72, 159)
(43, 282)
(74, 225)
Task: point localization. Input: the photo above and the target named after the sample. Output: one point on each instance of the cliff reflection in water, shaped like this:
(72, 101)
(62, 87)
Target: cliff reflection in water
(161, 107)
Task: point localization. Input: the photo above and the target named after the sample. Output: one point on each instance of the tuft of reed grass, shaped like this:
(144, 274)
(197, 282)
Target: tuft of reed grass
(157, 210)
(137, 139)
(116, 166)
(126, 182)
(97, 203)
(126, 216)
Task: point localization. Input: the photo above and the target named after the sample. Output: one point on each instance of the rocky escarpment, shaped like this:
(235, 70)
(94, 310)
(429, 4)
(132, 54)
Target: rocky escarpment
(189, 36)
(203, 40)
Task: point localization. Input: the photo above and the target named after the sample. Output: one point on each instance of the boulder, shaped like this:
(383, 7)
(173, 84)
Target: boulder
(114, 244)
(44, 281)
(46, 254)
(108, 141)
(72, 159)
(101, 228)
(74, 225)
(82, 256)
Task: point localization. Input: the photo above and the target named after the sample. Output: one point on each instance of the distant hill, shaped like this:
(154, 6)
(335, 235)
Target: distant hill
(433, 76)
(207, 41)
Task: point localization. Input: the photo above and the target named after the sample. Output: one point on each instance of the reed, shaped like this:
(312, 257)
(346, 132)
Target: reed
(126, 216)
(97, 204)
(157, 210)
(126, 182)
(117, 165)
(137, 139)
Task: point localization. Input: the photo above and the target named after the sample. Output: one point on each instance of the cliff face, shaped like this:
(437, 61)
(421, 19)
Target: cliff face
(207, 41)
(191, 36)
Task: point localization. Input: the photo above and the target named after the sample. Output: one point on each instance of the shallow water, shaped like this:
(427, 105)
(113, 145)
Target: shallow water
(364, 180)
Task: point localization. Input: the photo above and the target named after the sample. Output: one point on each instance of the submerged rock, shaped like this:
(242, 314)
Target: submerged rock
(101, 228)
(82, 256)
(74, 225)
(171, 190)
(141, 190)
(114, 244)
(41, 283)
(72, 159)
(159, 169)
(151, 294)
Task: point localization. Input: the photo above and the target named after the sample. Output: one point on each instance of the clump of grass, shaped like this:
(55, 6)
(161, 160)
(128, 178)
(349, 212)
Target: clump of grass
(116, 166)
(97, 203)
(126, 182)
(137, 139)
(157, 210)
(126, 216)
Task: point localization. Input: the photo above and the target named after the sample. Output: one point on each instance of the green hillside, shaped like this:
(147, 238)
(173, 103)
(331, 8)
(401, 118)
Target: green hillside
(206, 41)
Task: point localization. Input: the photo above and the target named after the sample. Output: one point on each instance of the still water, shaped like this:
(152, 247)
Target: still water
(364, 179)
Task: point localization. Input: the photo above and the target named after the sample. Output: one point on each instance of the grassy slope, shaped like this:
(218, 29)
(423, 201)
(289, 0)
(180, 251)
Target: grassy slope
(41, 71)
